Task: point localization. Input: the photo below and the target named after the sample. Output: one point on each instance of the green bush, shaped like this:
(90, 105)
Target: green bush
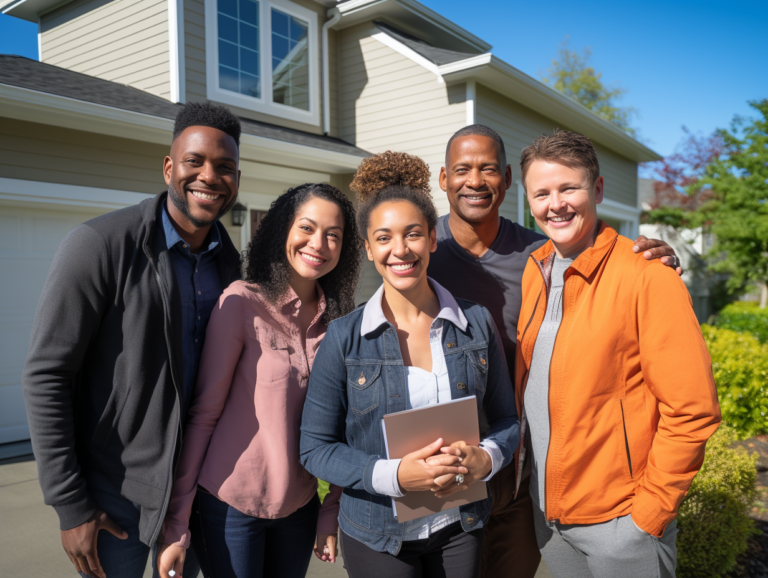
(745, 317)
(740, 367)
(713, 519)
(322, 489)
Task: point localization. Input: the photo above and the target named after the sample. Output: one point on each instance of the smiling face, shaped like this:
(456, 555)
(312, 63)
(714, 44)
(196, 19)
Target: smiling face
(399, 243)
(564, 203)
(474, 179)
(314, 240)
(202, 176)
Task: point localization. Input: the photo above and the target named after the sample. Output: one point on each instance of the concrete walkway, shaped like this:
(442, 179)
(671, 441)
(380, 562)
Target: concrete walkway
(29, 530)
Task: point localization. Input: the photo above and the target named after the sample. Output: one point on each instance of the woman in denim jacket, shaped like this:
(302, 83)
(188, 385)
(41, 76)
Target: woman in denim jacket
(412, 345)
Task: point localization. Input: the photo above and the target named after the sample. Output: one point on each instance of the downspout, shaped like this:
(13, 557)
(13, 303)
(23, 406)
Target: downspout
(335, 17)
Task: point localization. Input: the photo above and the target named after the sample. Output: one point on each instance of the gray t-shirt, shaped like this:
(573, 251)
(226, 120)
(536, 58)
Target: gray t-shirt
(494, 280)
(537, 391)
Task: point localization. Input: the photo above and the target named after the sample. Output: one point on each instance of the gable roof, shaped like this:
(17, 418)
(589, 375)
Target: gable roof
(438, 56)
(41, 77)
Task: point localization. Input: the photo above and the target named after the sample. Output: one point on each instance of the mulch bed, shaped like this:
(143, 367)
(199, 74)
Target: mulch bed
(754, 562)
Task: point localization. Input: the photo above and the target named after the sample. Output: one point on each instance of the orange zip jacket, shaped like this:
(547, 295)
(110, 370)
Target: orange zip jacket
(632, 398)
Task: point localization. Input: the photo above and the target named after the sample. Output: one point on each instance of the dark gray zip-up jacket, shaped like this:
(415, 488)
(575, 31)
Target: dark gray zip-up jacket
(102, 381)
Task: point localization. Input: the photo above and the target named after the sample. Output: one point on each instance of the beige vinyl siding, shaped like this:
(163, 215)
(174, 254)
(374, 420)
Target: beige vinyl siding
(519, 126)
(58, 155)
(196, 87)
(388, 102)
(123, 41)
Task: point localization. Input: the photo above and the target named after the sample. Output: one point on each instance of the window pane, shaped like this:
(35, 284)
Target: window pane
(290, 70)
(250, 85)
(228, 79)
(228, 54)
(228, 7)
(249, 36)
(279, 23)
(227, 28)
(239, 68)
(249, 11)
(249, 61)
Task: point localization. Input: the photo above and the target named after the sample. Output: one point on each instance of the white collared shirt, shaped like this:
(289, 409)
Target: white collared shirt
(425, 388)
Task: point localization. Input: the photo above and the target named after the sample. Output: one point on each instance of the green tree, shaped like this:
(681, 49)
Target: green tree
(737, 212)
(572, 75)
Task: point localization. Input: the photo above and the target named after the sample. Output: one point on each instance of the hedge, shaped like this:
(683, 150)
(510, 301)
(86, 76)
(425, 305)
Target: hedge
(745, 317)
(713, 519)
(740, 368)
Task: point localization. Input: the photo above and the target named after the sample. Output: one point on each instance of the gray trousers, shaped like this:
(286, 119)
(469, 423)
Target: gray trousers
(606, 550)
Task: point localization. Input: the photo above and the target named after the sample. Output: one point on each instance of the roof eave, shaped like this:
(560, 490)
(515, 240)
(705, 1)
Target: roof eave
(355, 11)
(513, 83)
(29, 9)
(40, 107)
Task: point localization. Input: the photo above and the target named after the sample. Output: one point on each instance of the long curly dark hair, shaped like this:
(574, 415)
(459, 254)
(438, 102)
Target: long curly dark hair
(392, 176)
(265, 261)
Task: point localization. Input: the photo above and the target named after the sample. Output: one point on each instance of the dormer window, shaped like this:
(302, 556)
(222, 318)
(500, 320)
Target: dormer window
(262, 56)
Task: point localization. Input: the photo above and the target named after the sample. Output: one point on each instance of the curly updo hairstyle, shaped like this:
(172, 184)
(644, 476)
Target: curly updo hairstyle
(392, 176)
(265, 261)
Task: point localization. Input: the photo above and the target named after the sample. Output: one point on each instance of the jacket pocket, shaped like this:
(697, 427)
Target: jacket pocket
(478, 359)
(626, 438)
(363, 387)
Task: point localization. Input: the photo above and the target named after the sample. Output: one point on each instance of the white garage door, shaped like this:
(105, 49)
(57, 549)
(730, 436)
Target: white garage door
(28, 240)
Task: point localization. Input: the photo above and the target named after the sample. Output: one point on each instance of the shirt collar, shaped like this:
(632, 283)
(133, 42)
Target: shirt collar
(373, 314)
(290, 298)
(172, 237)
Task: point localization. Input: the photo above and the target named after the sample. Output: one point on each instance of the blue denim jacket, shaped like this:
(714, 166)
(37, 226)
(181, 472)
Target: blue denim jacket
(341, 436)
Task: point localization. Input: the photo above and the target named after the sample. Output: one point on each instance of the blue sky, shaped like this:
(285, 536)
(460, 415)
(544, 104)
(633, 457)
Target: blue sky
(693, 63)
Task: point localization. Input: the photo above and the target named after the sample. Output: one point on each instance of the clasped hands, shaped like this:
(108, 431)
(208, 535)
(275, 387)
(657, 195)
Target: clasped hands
(435, 467)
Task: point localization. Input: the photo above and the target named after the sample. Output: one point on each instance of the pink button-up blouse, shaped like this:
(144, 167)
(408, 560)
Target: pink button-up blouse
(241, 442)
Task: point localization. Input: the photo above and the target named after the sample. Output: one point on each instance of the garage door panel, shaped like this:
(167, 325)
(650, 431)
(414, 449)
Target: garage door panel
(29, 239)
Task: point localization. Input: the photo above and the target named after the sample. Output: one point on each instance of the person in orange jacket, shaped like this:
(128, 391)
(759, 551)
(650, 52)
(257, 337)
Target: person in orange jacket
(613, 380)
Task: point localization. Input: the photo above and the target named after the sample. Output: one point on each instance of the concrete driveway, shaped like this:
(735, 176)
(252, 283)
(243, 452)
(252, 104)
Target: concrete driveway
(29, 530)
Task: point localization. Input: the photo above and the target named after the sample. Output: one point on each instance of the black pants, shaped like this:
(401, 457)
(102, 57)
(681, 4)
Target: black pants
(449, 553)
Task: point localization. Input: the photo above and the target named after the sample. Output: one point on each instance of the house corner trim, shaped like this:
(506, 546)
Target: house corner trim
(176, 54)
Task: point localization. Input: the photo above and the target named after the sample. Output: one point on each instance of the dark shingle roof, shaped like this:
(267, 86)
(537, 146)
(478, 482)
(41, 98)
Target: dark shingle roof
(42, 77)
(436, 55)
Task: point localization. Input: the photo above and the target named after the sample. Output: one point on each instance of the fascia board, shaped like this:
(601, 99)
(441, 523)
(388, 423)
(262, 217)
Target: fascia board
(40, 107)
(370, 6)
(29, 9)
(515, 84)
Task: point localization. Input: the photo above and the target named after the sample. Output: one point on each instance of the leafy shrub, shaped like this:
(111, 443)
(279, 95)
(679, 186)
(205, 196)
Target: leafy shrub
(322, 489)
(740, 367)
(713, 519)
(745, 317)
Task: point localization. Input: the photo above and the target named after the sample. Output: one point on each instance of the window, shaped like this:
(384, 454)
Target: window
(262, 55)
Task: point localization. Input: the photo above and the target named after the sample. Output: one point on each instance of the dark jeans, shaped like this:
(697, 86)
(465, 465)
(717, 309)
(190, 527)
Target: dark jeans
(231, 544)
(128, 558)
(449, 553)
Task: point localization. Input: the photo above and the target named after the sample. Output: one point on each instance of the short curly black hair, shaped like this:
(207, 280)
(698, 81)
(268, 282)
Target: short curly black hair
(265, 262)
(479, 130)
(207, 114)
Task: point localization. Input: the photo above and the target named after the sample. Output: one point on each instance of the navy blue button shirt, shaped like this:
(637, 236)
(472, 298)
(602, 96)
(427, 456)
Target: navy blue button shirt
(200, 287)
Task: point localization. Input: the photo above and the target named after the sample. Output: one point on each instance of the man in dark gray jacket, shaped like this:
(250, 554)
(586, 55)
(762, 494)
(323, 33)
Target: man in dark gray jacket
(115, 347)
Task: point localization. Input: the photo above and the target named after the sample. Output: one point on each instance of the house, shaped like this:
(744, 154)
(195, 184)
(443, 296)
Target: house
(318, 84)
(691, 245)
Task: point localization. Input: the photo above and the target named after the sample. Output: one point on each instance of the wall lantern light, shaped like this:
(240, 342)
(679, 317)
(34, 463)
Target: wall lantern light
(239, 212)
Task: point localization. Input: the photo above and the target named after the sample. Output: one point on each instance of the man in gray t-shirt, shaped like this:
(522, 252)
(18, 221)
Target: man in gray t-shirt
(481, 257)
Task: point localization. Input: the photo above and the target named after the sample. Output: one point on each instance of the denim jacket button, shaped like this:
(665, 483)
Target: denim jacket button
(482, 360)
(450, 345)
(461, 385)
(470, 520)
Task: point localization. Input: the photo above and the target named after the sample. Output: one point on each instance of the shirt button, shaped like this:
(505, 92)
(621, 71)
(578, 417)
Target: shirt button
(195, 340)
(198, 317)
(195, 270)
(199, 292)
(184, 246)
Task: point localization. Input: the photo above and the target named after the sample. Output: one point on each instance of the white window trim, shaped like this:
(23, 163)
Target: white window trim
(627, 214)
(176, 50)
(264, 104)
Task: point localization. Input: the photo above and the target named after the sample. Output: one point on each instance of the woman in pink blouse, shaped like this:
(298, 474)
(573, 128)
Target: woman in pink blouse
(257, 508)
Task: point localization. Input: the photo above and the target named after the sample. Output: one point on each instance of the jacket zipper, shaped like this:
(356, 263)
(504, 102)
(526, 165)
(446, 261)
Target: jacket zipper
(626, 439)
(172, 468)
